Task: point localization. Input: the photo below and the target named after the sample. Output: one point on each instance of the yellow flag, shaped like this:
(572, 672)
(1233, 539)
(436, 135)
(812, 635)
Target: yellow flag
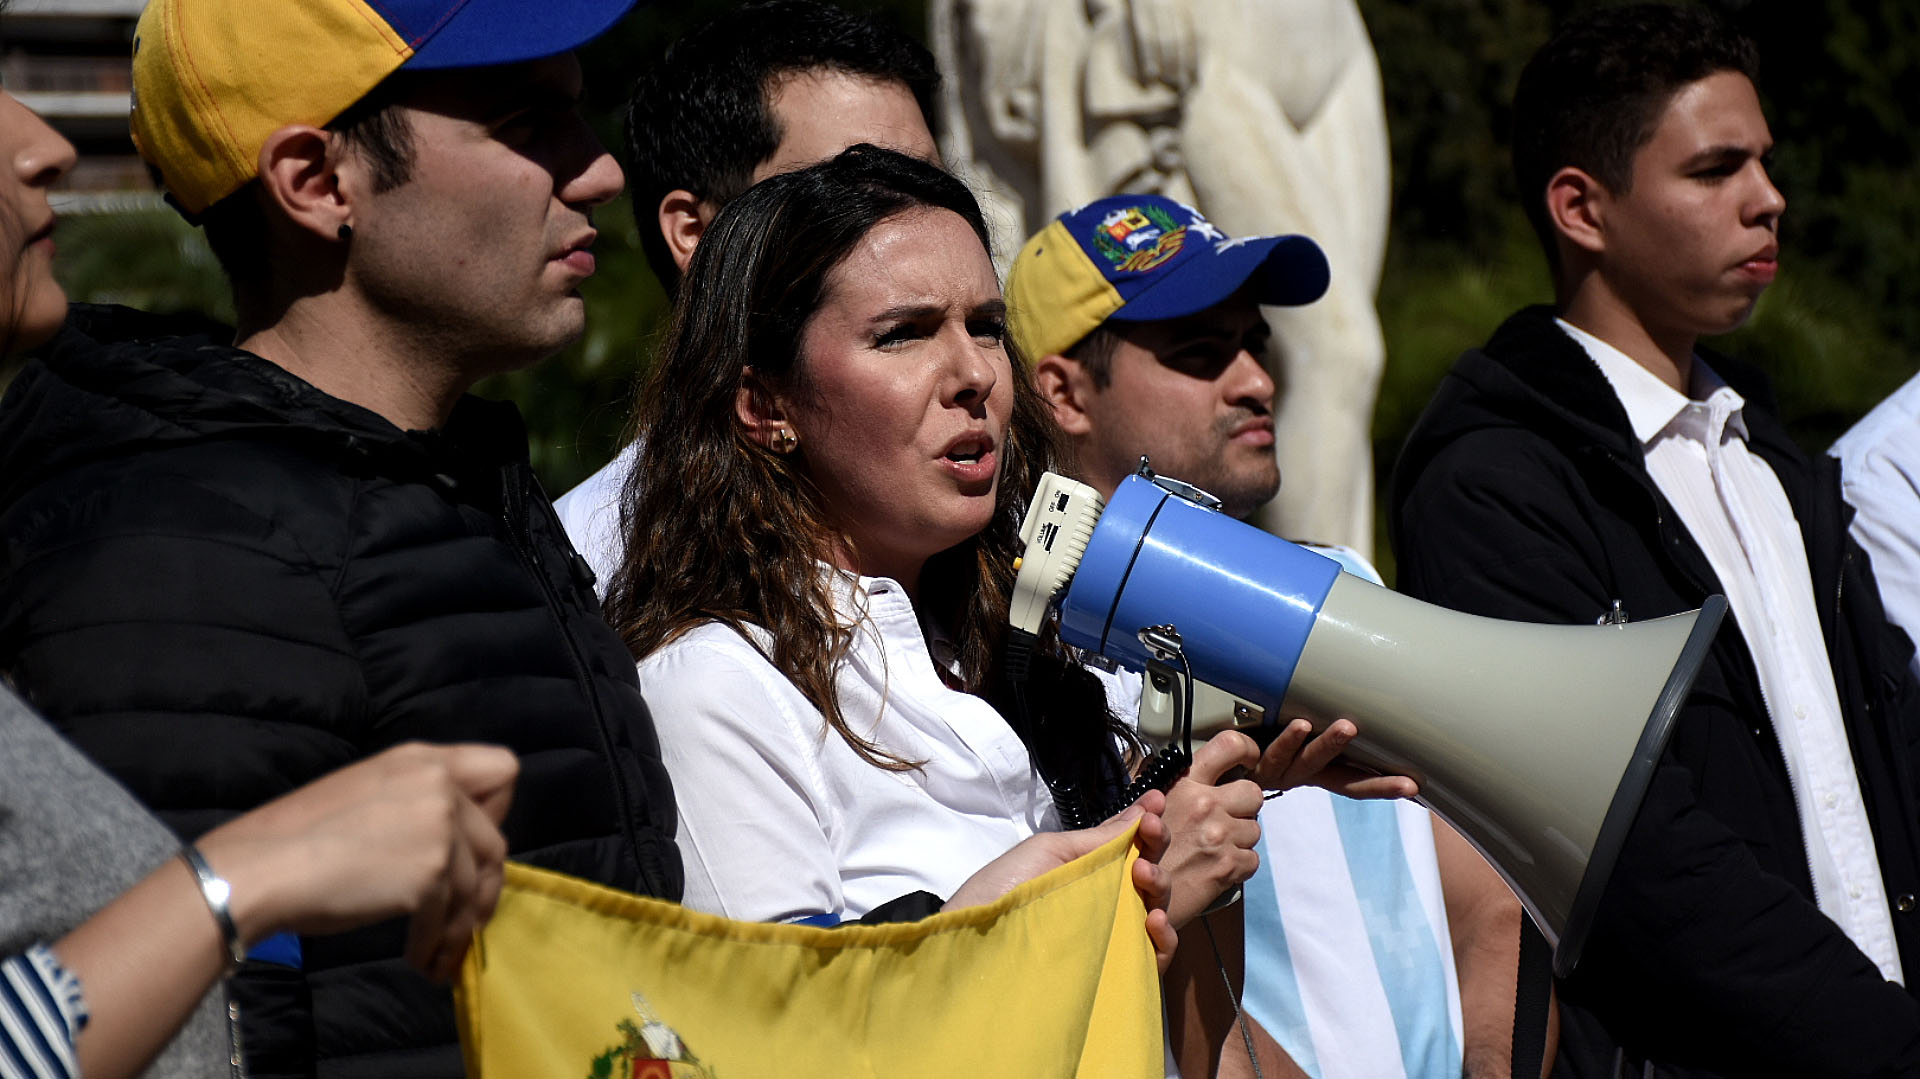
(577, 981)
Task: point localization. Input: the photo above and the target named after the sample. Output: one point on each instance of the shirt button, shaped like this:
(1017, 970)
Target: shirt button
(1830, 799)
(1853, 891)
(1799, 713)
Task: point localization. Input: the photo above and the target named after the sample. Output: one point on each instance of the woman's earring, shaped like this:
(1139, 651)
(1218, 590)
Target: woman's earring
(784, 440)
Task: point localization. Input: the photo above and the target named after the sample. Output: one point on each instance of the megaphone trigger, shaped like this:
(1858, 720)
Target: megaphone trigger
(1163, 651)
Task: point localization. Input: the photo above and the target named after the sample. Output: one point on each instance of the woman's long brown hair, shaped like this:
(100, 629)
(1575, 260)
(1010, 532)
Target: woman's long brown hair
(721, 529)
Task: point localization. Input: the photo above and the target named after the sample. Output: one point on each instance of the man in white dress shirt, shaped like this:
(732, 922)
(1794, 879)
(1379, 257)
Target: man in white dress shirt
(1590, 460)
(761, 90)
(1880, 478)
(1370, 924)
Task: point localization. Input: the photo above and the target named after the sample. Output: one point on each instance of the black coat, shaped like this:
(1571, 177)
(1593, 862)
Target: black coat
(221, 583)
(1522, 493)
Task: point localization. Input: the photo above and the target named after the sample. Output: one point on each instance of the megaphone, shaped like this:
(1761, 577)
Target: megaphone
(1535, 742)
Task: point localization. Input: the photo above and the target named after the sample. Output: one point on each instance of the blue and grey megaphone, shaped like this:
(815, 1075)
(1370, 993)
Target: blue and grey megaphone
(1536, 742)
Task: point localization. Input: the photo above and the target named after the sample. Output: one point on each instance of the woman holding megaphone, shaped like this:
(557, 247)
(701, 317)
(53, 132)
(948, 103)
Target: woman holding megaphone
(821, 531)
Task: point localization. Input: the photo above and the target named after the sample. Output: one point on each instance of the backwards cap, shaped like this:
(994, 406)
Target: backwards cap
(213, 78)
(1143, 258)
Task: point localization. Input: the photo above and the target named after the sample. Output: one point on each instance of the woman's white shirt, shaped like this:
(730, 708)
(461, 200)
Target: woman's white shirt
(780, 819)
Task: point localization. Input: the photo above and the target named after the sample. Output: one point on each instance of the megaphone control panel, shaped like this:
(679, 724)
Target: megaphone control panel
(1059, 522)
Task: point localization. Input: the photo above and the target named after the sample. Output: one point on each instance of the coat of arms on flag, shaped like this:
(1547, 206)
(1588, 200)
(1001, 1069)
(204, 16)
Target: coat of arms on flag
(649, 1049)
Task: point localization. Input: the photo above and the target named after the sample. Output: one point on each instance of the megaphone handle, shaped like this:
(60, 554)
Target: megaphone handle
(1163, 769)
(1164, 648)
(1226, 899)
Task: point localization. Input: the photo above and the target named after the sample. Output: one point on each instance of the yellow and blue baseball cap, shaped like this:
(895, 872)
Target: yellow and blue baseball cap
(213, 78)
(1142, 258)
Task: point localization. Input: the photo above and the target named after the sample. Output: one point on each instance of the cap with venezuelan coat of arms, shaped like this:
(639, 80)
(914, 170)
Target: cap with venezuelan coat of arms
(1142, 258)
(213, 78)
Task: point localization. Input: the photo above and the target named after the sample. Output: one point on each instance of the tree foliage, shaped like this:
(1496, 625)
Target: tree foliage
(1839, 330)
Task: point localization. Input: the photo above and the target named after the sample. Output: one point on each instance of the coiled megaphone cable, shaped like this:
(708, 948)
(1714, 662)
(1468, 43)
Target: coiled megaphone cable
(1161, 770)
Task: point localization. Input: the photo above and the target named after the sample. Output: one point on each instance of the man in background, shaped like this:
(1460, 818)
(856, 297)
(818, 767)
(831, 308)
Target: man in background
(231, 566)
(1589, 463)
(1880, 478)
(765, 89)
(1378, 943)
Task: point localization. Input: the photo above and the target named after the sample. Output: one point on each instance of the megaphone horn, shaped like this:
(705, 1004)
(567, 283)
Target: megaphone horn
(1536, 742)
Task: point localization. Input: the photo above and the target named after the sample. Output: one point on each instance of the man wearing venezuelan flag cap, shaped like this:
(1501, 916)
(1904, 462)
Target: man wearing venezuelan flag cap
(234, 563)
(1378, 943)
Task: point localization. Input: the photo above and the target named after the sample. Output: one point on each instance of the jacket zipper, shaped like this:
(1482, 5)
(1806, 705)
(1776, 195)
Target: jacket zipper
(514, 504)
(1839, 589)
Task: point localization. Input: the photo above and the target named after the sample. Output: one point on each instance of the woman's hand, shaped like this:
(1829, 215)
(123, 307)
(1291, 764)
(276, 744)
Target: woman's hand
(1038, 854)
(1150, 879)
(1212, 825)
(1299, 757)
(413, 831)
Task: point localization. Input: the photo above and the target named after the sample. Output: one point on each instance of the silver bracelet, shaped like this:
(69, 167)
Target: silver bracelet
(215, 890)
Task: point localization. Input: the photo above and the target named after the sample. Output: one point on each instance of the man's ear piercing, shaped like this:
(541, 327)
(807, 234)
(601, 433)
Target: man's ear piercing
(784, 440)
(345, 232)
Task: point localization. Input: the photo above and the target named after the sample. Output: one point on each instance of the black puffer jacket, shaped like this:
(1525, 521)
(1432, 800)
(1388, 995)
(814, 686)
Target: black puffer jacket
(222, 583)
(1523, 494)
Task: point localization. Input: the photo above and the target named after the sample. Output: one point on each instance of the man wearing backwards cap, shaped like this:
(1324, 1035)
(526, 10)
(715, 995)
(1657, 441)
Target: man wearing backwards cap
(229, 569)
(1142, 322)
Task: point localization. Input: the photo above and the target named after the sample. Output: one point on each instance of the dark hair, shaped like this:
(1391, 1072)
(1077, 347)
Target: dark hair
(699, 119)
(1095, 353)
(372, 127)
(1593, 95)
(722, 529)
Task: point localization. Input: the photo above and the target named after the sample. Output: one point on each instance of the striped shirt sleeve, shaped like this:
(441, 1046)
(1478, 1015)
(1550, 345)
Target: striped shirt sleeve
(41, 1013)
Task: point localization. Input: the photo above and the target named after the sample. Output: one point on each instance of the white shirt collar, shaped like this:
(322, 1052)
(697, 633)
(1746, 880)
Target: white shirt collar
(881, 601)
(853, 593)
(1652, 406)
